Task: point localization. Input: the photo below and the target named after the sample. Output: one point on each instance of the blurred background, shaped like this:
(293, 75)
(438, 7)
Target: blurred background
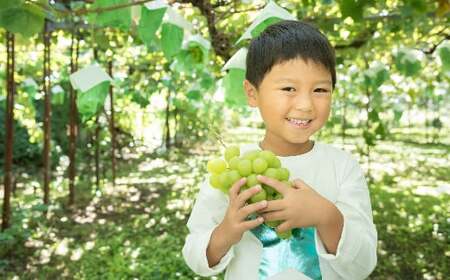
(98, 176)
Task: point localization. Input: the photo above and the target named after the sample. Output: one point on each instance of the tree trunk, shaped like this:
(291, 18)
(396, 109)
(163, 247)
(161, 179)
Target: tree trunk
(9, 124)
(73, 120)
(47, 114)
(112, 125)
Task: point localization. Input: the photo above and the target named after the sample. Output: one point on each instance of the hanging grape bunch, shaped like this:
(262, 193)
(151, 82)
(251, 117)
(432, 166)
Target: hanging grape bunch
(225, 172)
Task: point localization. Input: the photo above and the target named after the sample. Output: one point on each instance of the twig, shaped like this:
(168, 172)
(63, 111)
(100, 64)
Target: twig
(217, 135)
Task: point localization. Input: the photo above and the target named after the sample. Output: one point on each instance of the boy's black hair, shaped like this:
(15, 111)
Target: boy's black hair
(285, 40)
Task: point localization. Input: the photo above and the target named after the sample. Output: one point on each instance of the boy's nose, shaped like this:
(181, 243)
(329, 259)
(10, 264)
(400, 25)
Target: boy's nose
(303, 102)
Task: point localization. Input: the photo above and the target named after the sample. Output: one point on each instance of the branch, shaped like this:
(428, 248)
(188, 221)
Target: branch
(107, 9)
(434, 46)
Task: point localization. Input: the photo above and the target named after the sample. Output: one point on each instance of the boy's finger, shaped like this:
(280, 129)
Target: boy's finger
(273, 205)
(274, 216)
(246, 195)
(247, 225)
(277, 185)
(252, 208)
(234, 190)
(298, 183)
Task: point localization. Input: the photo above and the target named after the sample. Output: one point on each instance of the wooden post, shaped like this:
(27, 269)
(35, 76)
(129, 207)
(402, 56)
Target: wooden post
(112, 125)
(73, 120)
(167, 127)
(9, 124)
(47, 114)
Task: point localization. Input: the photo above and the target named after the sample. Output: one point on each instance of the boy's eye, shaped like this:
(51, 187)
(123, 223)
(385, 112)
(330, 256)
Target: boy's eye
(288, 89)
(320, 90)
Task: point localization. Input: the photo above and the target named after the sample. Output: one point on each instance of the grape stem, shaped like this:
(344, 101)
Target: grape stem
(217, 135)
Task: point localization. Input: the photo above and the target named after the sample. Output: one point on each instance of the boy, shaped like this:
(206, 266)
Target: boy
(290, 77)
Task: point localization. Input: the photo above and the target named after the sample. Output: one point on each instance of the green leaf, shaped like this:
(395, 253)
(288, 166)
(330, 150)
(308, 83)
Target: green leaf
(194, 95)
(407, 63)
(369, 138)
(26, 20)
(352, 8)
(436, 123)
(260, 27)
(9, 4)
(234, 90)
(91, 101)
(380, 131)
(171, 39)
(207, 81)
(58, 98)
(375, 76)
(140, 98)
(149, 23)
(120, 18)
(444, 54)
(373, 115)
(397, 115)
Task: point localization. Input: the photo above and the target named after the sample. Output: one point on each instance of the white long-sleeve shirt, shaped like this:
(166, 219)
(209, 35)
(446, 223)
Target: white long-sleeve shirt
(335, 175)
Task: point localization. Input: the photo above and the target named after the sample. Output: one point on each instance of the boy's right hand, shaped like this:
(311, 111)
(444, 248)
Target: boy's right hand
(234, 223)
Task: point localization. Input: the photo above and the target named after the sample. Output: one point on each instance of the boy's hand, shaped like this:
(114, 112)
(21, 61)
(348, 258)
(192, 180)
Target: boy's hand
(234, 223)
(301, 206)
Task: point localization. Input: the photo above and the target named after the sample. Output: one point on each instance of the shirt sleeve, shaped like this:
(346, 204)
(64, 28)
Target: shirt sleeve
(206, 215)
(356, 255)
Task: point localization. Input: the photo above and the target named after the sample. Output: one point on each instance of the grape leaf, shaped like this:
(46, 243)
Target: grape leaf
(171, 39)
(91, 101)
(234, 90)
(149, 23)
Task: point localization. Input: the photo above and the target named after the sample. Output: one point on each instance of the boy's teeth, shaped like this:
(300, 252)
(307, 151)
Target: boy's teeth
(298, 121)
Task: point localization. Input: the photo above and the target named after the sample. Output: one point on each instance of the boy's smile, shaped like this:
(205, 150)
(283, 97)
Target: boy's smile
(294, 100)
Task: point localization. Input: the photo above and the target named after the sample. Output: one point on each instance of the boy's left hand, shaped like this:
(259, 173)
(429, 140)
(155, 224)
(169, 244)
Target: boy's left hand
(301, 206)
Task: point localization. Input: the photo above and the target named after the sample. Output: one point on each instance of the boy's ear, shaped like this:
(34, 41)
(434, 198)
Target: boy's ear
(251, 93)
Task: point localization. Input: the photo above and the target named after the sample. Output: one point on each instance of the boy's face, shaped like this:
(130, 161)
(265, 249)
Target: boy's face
(294, 100)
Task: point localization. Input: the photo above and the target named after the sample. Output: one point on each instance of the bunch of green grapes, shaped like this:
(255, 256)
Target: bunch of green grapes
(225, 172)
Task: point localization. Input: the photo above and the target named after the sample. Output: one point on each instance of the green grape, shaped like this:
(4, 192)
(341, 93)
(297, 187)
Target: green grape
(259, 165)
(273, 224)
(216, 166)
(285, 235)
(224, 181)
(233, 176)
(283, 174)
(214, 181)
(245, 167)
(275, 163)
(277, 196)
(269, 190)
(252, 181)
(267, 155)
(233, 163)
(260, 196)
(271, 173)
(231, 152)
(251, 155)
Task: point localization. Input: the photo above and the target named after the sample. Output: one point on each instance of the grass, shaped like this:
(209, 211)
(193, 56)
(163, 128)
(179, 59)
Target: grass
(136, 229)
